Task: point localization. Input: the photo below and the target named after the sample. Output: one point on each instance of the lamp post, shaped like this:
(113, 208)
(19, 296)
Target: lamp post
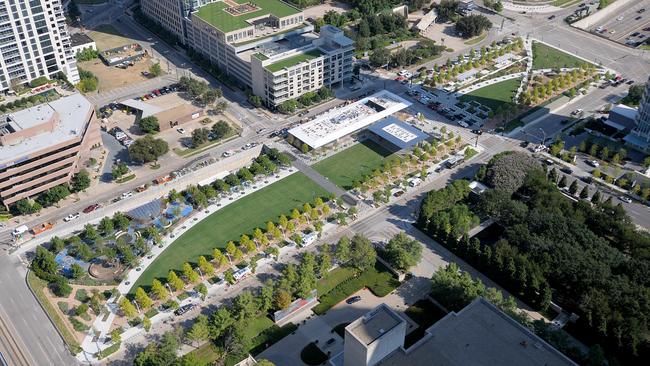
(169, 288)
(136, 305)
(543, 136)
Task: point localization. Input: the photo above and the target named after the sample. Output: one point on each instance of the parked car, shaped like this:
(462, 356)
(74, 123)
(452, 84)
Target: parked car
(181, 130)
(91, 208)
(184, 309)
(625, 199)
(477, 131)
(566, 170)
(71, 217)
(127, 194)
(593, 163)
(398, 193)
(353, 299)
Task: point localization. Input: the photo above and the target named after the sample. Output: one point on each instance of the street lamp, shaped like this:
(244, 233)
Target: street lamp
(136, 305)
(543, 135)
(169, 288)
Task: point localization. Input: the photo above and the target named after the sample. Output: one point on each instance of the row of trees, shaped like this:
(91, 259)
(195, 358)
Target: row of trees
(80, 182)
(27, 102)
(200, 90)
(218, 131)
(425, 49)
(555, 85)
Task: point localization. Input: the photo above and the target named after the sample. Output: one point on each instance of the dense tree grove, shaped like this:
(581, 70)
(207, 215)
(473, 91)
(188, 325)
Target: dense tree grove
(506, 171)
(473, 25)
(590, 259)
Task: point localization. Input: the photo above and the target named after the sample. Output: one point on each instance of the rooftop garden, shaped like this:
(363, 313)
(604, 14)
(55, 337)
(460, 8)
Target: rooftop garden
(294, 60)
(216, 15)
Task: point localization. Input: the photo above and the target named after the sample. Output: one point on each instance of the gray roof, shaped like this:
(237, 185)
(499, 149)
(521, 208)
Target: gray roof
(478, 335)
(398, 133)
(80, 39)
(374, 324)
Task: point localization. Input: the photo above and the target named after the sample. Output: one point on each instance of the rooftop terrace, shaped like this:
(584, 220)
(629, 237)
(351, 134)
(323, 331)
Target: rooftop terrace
(294, 60)
(339, 122)
(227, 18)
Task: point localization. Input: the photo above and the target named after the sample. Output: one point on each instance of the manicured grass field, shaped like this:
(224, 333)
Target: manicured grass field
(546, 57)
(495, 95)
(229, 223)
(352, 163)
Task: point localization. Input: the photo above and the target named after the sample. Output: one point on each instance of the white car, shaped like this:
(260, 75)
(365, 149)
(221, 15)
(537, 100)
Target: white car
(127, 194)
(625, 199)
(593, 163)
(71, 217)
(181, 131)
(620, 18)
(228, 153)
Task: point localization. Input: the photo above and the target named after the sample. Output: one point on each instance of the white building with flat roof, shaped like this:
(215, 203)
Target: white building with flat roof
(340, 122)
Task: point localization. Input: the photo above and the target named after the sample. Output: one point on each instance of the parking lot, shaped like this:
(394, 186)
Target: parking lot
(629, 26)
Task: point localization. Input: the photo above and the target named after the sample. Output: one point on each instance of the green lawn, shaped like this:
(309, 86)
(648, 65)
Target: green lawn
(291, 61)
(495, 95)
(547, 57)
(352, 163)
(215, 14)
(229, 223)
(379, 280)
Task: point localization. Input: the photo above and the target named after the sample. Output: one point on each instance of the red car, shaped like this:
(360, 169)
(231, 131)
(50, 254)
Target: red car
(91, 208)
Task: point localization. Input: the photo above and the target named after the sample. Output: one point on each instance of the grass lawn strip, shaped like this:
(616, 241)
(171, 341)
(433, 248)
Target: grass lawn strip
(291, 61)
(38, 287)
(547, 57)
(230, 222)
(495, 95)
(352, 163)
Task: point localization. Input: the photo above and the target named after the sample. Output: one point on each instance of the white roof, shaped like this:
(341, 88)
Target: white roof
(345, 120)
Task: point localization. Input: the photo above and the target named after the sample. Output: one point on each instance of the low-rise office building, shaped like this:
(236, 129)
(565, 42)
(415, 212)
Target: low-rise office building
(264, 45)
(43, 146)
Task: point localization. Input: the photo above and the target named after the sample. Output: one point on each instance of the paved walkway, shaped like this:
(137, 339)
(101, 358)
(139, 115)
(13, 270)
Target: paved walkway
(318, 178)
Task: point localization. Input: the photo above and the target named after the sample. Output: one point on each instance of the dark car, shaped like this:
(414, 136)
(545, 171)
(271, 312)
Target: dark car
(91, 208)
(524, 144)
(353, 299)
(478, 132)
(184, 309)
(566, 170)
(551, 17)
(630, 82)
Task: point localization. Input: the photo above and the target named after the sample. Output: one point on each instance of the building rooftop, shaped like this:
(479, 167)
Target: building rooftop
(79, 39)
(374, 324)
(73, 112)
(227, 18)
(342, 121)
(398, 133)
(294, 60)
(480, 334)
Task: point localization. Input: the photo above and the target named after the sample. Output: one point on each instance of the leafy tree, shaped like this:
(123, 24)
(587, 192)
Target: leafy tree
(244, 306)
(143, 299)
(200, 330)
(343, 250)
(90, 233)
(199, 136)
(206, 267)
(220, 321)
(127, 308)
(116, 336)
(26, 206)
(507, 171)
(584, 193)
(189, 273)
(146, 324)
(119, 170)
(362, 254)
(562, 182)
(148, 149)
(120, 221)
(282, 299)
(448, 9)
(573, 188)
(595, 198)
(379, 57)
(149, 125)
(634, 95)
(80, 181)
(106, 226)
(403, 252)
(76, 271)
(155, 69)
(221, 129)
(265, 297)
(175, 282)
(159, 290)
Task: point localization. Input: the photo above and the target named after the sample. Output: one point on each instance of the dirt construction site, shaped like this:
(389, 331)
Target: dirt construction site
(111, 77)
